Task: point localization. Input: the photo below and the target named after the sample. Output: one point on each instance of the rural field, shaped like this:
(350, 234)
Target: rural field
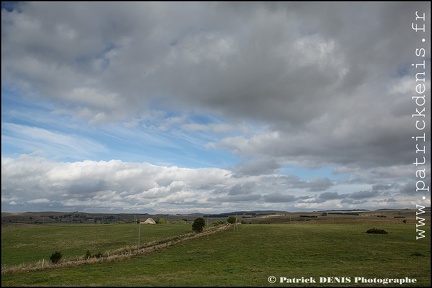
(245, 256)
(30, 243)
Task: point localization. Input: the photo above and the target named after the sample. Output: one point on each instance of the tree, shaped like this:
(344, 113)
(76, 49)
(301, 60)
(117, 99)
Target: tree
(231, 219)
(198, 224)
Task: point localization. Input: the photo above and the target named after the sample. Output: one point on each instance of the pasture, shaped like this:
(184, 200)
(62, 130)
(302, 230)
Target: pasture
(30, 243)
(245, 257)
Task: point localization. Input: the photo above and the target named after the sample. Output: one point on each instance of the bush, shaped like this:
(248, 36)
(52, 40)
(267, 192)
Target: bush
(198, 224)
(376, 231)
(55, 257)
(161, 221)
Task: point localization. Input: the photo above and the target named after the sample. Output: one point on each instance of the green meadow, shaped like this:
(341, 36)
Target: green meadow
(30, 243)
(243, 257)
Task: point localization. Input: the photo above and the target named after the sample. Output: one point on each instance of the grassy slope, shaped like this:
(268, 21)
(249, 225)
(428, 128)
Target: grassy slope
(249, 256)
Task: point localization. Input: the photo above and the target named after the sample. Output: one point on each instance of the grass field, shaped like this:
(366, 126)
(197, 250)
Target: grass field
(246, 257)
(30, 243)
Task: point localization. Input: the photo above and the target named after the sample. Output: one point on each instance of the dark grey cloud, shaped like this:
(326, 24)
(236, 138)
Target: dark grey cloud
(279, 198)
(237, 198)
(383, 187)
(415, 187)
(326, 196)
(363, 194)
(87, 187)
(317, 184)
(351, 198)
(389, 200)
(312, 185)
(267, 166)
(243, 188)
(354, 202)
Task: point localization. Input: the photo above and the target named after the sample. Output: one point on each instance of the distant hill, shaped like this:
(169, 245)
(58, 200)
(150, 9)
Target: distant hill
(76, 217)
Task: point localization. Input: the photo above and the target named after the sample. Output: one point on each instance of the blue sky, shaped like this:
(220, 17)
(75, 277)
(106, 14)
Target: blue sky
(171, 108)
(67, 139)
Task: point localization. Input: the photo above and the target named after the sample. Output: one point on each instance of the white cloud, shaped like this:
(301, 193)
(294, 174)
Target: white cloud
(39, 201)
(126, 186)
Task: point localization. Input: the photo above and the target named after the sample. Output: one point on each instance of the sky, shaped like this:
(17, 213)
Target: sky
(210, 107)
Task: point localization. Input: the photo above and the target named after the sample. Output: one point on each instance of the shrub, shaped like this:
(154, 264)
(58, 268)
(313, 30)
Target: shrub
(55, 257)
(376, 231)
(417, 254)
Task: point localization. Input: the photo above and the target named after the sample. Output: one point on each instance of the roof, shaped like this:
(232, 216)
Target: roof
(149, 221)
